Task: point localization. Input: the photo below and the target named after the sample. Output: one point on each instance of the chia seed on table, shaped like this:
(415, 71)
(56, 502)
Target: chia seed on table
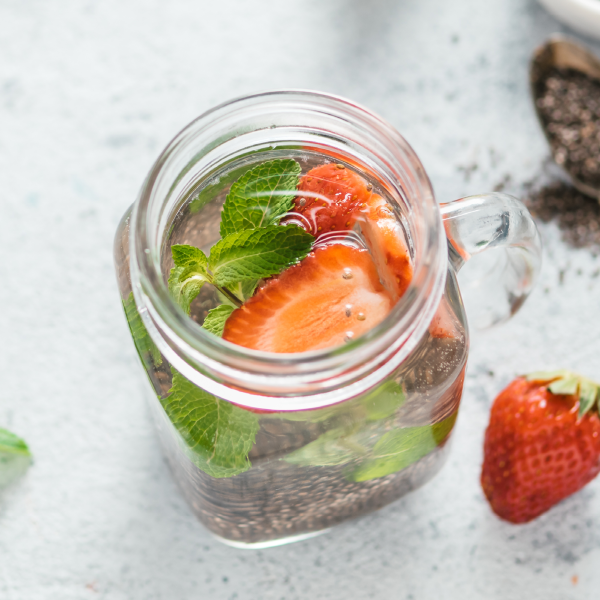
(577, 215)
(569, 105)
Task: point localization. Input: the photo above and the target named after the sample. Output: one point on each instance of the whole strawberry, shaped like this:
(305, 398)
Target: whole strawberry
(542, 443)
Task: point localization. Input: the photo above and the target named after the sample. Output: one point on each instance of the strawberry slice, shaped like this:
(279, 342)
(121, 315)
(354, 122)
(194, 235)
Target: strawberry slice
(328, 197)
(386, 240)
(334, 198)
(332, 296)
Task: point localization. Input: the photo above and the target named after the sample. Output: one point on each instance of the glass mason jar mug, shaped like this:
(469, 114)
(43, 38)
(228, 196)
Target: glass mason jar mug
(270, 447)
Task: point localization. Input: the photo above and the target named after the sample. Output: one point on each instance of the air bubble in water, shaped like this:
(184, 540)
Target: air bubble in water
(347, 274)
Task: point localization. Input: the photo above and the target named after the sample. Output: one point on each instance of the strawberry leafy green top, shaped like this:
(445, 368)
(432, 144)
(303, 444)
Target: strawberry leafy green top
(568, 383)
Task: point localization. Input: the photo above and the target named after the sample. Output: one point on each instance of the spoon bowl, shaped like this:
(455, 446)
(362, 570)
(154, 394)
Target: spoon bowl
(562, 53)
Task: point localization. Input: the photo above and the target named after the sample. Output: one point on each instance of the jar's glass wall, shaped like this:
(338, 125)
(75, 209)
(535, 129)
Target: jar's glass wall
(300, 444)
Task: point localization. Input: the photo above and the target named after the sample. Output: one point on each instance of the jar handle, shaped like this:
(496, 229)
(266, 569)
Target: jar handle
(476, 224)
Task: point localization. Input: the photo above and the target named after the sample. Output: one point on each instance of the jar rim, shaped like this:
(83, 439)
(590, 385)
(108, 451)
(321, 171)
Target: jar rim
(265, 380)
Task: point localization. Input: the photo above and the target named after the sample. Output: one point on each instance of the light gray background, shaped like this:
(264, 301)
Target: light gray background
(90, 92)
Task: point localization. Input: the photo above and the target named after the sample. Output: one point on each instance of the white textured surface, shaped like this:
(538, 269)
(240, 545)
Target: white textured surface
(89, 94)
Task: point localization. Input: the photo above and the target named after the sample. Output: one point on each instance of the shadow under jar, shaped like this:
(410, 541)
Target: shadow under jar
(268, 448)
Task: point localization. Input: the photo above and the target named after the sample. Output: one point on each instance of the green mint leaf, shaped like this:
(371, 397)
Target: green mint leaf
(384, 401)
(185, 256)
(217, 434)
(184, 290)
(146, 348)
(216, 317)
(379, 404)
(225, 300)
(244, 289)
(260, 197)
(188, 275)
(400, 448)
(15, 457)
(258, 253)
(214, 188)
(337, 446)
(12, 444)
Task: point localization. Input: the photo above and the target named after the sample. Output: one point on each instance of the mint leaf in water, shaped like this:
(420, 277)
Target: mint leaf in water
(218, 434)
(400, 448)
(258, 253)
(337, 446)
(186, 256)
(216, 317)
(15, 457)
(379, 404)
(146, 348)
(383, 401)
(261, 196)
(189, 274)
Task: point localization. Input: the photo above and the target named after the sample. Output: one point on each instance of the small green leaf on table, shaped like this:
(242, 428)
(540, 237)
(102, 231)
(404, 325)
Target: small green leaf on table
(15, 457)
(260, 197)
(218, 435)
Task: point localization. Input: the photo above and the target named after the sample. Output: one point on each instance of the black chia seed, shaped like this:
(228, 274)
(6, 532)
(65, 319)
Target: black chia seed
(569, 105)
(577, 215)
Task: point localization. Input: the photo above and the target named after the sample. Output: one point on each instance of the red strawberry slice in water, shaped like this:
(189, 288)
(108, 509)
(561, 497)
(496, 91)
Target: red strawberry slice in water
(332, 296)
(334, 198)
(328, 196)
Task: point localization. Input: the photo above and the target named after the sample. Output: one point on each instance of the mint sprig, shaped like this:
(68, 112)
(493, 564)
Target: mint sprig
(253, 245)
(218, 435)
(371, 444)
(400, 448)
(260, 197)
(354, 428)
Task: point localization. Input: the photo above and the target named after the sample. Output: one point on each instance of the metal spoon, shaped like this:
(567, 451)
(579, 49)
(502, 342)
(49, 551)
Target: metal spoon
(562, 53)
